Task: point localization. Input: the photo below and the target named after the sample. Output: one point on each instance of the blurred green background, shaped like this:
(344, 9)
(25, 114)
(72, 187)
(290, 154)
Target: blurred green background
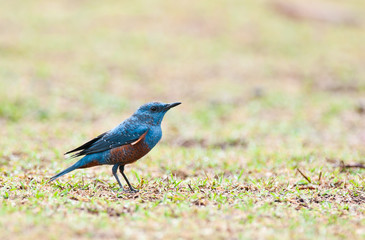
(266, 86)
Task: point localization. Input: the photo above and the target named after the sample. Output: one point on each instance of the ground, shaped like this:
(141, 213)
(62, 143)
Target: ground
(273, 116)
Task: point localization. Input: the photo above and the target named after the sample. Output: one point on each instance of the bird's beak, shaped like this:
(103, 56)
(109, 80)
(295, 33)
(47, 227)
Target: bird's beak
(171, 105)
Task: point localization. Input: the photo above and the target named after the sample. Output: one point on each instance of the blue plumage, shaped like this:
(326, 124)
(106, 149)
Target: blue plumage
(124, 144)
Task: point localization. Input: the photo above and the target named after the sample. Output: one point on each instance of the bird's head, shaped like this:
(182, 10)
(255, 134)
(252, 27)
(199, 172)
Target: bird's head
(154, 112)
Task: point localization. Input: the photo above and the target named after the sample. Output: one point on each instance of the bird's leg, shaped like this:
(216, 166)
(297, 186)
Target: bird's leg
(121, 169)
(114, 170)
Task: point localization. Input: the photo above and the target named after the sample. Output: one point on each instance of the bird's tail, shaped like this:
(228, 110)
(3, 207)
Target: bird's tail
(67, 170)
(82, 163)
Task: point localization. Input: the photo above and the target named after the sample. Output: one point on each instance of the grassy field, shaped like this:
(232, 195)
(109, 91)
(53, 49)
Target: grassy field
(267, 88)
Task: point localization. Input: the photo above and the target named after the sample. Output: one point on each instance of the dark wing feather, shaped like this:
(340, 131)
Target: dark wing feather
(87, 145)
(112, 139)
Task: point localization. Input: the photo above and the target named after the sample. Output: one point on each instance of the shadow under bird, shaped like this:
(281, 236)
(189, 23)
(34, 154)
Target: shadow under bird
(124, 144)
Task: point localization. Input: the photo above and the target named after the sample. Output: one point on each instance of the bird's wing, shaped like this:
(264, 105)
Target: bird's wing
(108, 140)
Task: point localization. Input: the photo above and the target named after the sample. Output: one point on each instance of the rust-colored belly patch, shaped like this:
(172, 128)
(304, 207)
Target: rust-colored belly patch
(129, 153)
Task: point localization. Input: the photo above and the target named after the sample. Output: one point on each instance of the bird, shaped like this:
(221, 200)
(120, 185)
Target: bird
(126, 143)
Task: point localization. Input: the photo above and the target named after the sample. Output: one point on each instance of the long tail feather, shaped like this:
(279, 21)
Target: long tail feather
(67, 170)
(85, 162)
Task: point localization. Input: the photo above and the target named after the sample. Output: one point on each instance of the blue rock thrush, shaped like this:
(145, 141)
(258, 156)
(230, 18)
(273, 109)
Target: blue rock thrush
(124, 144)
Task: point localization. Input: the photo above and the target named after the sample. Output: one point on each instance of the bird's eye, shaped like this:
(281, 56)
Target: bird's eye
(153, 108)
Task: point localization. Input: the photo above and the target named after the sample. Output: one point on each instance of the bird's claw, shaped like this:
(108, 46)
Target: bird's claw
(133, 190)
(130, 190)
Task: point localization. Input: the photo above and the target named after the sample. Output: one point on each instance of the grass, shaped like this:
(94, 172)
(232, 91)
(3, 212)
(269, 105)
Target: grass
(263, 96)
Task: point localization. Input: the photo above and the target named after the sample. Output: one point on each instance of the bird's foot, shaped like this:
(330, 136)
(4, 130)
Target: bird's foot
(133, 190)
(130, 190)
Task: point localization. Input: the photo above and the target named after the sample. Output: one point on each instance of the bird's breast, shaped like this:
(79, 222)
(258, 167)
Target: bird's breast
(153, 136)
